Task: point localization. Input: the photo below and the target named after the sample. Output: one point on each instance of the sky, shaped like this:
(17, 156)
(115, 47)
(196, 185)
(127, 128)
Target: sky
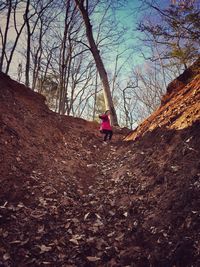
(128, 16)
(130, 47)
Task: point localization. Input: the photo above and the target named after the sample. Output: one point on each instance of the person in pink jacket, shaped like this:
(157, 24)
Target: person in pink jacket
(105, 127)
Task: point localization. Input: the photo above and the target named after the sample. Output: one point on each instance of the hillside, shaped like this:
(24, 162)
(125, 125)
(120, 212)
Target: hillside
(68, 200)
(180, 106)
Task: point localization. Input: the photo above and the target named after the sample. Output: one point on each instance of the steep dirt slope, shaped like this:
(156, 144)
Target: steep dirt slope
(43, 161)
(157, 188)
(165, 161)
(47, 164)
(68, 200)
(180, 107)
(33, 137)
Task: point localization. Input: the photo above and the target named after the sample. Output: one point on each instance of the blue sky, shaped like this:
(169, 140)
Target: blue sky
(129, 16)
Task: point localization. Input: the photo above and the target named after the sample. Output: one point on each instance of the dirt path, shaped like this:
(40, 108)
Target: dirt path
(67, 200)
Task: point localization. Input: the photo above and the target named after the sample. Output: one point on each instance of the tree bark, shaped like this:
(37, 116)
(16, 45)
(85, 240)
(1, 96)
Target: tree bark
(95, 97)
(99, 63)
(28, 45)
(5, 35)
(64, 60)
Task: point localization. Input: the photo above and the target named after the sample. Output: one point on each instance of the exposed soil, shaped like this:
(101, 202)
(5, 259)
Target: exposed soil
(68, 200)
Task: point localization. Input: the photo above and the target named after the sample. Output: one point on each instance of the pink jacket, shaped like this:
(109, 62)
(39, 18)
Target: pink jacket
(105, 124)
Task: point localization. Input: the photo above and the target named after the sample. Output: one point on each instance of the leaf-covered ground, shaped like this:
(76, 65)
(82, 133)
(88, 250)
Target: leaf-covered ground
(68, 200)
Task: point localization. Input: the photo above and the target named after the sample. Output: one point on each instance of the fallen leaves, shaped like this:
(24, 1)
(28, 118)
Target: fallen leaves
(94, 208)
(6, 256)
(93, 259)
(41, 229)
(44, 248)
(76, 238)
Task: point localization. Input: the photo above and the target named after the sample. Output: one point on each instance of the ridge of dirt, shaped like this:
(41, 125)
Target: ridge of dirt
(68, 200)
(184, 79)
(180, 106)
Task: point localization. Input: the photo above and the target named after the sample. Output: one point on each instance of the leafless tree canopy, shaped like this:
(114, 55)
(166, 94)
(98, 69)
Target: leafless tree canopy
(76, 51)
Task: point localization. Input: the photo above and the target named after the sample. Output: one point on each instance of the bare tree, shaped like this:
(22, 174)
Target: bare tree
(4, 36)
(16, 23)
(99, 63)
(65, 57)
(61, 56)
(18, 31)
(81, 81)
(41, 42)
(31, 22)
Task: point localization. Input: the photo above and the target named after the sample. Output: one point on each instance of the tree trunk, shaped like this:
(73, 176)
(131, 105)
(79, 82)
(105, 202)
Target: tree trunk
(28, 48)
(95, 97)
(18, 34)
(99, 63)
(5, 35)
(64, 59)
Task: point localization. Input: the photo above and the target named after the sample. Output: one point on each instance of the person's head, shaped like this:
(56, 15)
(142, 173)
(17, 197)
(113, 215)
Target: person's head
(107, 112)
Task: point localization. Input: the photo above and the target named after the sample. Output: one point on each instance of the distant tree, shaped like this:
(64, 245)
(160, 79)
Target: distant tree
(148, 89)
(141, 94)
(17, 15)
(40, 44)
(48, 86)
(129, 106)
(67, 47)
(19, 72)
(81, 85)
(100, 104)
(33, 14)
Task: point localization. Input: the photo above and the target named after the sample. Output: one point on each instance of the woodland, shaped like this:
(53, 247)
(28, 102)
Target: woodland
(68, 199)
(88, 56)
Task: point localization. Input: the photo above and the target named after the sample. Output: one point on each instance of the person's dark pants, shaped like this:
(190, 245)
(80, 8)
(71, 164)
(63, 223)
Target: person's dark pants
(108, 134)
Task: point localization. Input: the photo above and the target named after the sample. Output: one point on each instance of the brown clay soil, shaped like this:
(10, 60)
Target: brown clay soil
(68, 200)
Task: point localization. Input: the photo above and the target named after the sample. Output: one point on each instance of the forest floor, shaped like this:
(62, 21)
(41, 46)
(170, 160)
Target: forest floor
(67, 199)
